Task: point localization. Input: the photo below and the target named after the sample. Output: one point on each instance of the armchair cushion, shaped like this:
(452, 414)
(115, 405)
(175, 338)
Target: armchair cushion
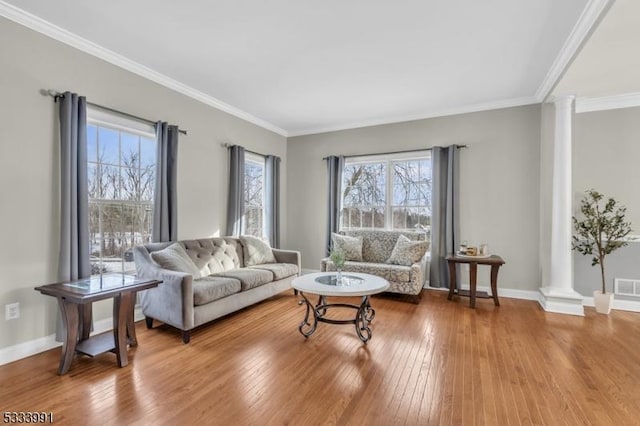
(175, 258)
(407, 252)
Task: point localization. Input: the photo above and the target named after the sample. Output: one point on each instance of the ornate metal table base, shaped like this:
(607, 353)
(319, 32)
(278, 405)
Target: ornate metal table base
(364, 315)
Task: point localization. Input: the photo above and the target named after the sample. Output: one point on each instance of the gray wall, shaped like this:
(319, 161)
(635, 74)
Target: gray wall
(29, 217)
(606, 150)
(499, 182)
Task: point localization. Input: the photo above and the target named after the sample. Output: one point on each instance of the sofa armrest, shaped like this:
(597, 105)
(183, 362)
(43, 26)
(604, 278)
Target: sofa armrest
(323, 264)
(172, 301)
(288, 256)
(417, 275)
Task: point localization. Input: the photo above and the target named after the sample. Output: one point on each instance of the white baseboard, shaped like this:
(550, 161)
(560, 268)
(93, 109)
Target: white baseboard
(42, 344)
(622, 305)
(510, 293)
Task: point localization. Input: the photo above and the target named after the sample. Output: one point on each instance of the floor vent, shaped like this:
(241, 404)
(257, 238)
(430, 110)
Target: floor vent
(626, 287)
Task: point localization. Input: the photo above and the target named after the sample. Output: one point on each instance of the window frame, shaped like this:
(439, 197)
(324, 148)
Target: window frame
(389, 160)
(112, 121)
(259, 160)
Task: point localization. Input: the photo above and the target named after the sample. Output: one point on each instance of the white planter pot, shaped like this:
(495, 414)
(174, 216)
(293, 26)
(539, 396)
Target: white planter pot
(603, 302)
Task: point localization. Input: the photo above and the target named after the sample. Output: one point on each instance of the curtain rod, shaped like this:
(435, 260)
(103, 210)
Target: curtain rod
(394, 152)
(55, 95)
(229, 145)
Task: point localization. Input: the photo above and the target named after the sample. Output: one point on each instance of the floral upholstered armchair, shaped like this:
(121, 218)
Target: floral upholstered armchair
(400, 257)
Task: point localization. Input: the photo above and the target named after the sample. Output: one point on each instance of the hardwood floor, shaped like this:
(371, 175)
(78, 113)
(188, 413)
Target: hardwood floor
(438, 362)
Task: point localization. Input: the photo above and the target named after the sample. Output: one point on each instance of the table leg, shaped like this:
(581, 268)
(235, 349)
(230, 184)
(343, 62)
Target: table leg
(71, 317)
(494, 284)
(473, 276)
(452, 279)
(305, 323)
(131, 325)
(363, 317)
(86, 317)
(322, 300)
(121, 307)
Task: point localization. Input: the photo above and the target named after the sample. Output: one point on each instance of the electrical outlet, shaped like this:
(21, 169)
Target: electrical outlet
(12, 311)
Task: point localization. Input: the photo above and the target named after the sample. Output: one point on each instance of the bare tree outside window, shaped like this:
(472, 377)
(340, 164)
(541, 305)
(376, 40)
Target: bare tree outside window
(254, 198)
(392, 194)
(121, 174)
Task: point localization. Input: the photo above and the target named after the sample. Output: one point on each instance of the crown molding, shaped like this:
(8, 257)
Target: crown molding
(590, 16)
(42, 26)
(487, 106)
(603, 103)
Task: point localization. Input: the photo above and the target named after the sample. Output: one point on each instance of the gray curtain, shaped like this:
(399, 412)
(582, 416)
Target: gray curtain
(235, 203)
(74, 193)
(272, 199)
(165, 206)
(335, 165)
(445, 218)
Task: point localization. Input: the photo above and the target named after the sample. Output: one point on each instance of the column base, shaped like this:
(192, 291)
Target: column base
(561, 301)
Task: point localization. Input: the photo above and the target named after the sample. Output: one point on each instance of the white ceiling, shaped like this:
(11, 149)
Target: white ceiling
(300, 67)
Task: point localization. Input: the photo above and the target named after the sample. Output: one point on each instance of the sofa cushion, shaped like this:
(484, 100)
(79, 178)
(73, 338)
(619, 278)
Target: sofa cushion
(396, 273)
(407, 252)
(249, 278)
(279, 270)
(175, 258)
(256, 251)
(351, 247)
(208, 289)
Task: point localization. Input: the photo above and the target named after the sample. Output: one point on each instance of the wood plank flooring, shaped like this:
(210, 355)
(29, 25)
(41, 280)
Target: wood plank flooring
(438, 362)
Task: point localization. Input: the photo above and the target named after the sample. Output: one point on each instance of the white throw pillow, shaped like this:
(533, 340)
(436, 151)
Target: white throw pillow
(175, 258)
(256, 251)
(407, 252)
(351, 247)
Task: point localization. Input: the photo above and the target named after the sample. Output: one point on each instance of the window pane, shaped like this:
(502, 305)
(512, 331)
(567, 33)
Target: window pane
(130, 150)
(364, 184)
(109, 146)
(253, 185)
(110, 182)
(253, 221)
(147, 183)
(147, 152)
(121, 195)
(92, 143)
(130, 183)
(92, 181)
(365, 190)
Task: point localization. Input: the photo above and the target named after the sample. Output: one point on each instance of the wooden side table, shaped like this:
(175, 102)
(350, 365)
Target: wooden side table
(75, 299)
(473, 261)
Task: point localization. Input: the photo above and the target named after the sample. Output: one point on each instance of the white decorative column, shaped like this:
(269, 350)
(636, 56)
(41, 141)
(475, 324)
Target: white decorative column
(559, 295)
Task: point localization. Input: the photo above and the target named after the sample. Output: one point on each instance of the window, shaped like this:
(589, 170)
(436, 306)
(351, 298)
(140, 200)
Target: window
(386, 192)
(121, 180)
(253, 222)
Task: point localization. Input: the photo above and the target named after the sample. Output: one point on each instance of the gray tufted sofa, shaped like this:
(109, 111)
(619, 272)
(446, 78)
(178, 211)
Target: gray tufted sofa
(377, 246)
(185, 303)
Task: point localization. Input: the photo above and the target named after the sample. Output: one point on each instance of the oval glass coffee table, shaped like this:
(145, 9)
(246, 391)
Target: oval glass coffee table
(325, 284)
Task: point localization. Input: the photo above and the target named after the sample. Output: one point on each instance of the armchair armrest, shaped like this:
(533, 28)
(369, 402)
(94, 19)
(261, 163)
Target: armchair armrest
(323, 264)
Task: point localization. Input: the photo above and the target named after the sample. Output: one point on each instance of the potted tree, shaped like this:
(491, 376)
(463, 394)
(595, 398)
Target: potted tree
(601, 230)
